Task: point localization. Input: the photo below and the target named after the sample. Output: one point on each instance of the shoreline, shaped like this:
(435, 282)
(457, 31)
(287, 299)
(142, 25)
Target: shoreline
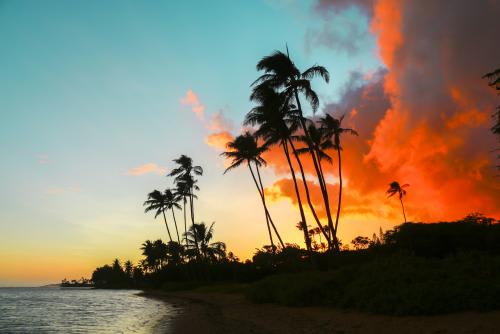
(200, 313)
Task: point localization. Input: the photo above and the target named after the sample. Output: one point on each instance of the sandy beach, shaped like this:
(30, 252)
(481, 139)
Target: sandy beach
(231, 313)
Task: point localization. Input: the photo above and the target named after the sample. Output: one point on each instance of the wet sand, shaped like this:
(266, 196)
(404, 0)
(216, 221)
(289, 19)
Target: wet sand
(202, 313)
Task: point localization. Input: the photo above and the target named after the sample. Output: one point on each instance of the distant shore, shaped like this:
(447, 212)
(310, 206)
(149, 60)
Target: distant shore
(202, 313)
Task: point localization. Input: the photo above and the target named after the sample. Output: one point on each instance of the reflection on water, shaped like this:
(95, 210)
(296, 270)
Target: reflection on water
(72, 310)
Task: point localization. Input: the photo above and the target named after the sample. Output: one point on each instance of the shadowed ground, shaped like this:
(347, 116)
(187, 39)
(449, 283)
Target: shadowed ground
(232, 313)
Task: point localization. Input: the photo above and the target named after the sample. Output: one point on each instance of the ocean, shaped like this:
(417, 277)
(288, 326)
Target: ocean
(81, 310)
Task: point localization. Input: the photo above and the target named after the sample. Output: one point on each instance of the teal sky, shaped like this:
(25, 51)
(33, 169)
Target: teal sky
(91, 89)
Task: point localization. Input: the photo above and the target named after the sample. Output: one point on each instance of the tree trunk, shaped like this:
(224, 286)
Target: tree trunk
(403, 207)
(308, 196)
(185, 221)
(268, 214)
(267, 217)
(176, 229)
(340, 192)
(191, 202)
(307, 238)
(261, 193)
(324, 191)
(168, 230)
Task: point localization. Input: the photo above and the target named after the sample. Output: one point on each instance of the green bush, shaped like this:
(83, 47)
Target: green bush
(400, 285)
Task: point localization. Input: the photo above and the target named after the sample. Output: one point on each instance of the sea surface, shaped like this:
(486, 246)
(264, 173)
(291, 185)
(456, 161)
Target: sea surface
(81, 310)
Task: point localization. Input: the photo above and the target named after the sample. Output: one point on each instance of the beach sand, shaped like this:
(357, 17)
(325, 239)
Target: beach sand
(202, 313)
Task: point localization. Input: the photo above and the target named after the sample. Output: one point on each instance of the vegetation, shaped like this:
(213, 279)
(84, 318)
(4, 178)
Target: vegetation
(395, 188)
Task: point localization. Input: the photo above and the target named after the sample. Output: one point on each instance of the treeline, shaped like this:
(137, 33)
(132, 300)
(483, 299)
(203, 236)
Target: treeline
(79, 283)
(164, 264)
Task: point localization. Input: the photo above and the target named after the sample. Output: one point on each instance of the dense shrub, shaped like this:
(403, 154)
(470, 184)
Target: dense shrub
(392, 285)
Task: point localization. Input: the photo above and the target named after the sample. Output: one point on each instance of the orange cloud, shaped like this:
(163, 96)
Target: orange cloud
(191, 100)
(219, 140)
(146, 169)
(423, 120)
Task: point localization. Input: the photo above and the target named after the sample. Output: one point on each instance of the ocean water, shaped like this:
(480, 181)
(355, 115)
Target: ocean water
(74, 310)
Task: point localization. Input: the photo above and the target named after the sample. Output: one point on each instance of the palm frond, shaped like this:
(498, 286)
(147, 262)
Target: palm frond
(315, 71)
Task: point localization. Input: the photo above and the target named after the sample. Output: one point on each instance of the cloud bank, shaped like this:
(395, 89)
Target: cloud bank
(424, 119)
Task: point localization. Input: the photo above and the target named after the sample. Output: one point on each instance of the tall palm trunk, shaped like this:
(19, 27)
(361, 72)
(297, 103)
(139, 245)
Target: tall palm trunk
(191, 201)
(308, 196)
(165, 219)
(303, 222)
(176, 229)
(265, 206)
(324, 191)
(267, 211)
(267, 216)
(185, 221)
(340, 191)
(403, 207)
(332, 231)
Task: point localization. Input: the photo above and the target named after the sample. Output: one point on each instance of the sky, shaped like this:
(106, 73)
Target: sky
(97, 98)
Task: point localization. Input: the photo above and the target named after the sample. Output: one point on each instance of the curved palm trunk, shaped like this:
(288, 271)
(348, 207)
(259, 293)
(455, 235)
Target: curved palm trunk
(265, 206)
(324, 190)
(308, 196)
(176, 229)
(165, 219)
(267, 211)
(403, 207)
(267, 218)
(268, 215)
(333, 229)
(340, 191)
(191, 202)
(185, 221)
(307, 238)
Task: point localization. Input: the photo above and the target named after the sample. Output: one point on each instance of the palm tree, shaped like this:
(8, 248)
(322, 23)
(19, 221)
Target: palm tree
(331, 127)
(320, 145)
(244, 149)
(280, 73)
(171, 200)
(185, 175)
(156, 201)
(128, 267)
(272, 115)
(150, 261)
(182, 191)
(174, 253)
(302, 226)
(199, 237)
(395, 188)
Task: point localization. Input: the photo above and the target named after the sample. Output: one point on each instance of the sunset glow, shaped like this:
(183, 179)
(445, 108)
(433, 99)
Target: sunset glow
(97, 103)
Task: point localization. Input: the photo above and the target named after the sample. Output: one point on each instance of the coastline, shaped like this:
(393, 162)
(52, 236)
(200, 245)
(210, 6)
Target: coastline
(200, 313)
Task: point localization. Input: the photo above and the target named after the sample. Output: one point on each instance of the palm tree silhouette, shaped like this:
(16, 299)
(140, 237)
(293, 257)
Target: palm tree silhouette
(395, 188)
(156, 201)
(182, 191)
(331, 128)
(320, 145)
(172, 201)
(277, 121)
(199, 237)
(150, 261)
(244, 149)
(127, 268)
(174, 252)
(280, 73)
(185, 177)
